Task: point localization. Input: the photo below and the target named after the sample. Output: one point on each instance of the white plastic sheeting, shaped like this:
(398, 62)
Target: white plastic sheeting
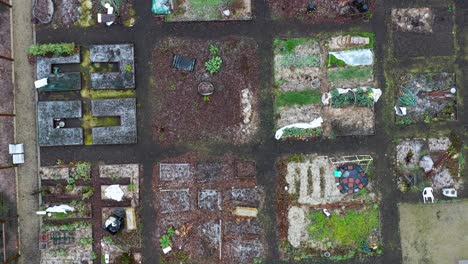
(114, 192)
(314, 124)
(63, 208)
(357, 57)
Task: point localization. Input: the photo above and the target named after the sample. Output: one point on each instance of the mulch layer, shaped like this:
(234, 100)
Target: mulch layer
(181, 113)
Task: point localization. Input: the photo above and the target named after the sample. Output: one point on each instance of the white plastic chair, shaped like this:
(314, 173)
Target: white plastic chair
(428, 193)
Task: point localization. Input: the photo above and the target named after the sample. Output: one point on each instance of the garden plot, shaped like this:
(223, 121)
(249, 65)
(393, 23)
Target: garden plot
(431, 162)
(434, 233)
(128, 239)
(213, 10)
(210, 86)
(63, 181)
(430, 29)
(66, 243)
(118, 253)
(102, 77)
(321, 11)
(124, 198)
(81, 13)
(343, 185)
(208, 210)
(325, 86)
(426, 97)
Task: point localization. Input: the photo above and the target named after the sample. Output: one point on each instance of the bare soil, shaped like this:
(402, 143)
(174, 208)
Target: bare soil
(327, 11)
(183, 115)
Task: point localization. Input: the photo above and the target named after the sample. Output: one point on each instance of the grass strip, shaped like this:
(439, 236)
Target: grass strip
(292, 98)
(354, 73)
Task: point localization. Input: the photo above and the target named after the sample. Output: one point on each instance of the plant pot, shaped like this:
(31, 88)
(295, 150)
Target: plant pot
(205, 88)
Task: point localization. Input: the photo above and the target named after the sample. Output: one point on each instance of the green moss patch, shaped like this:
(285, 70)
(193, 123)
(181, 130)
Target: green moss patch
(292, 98)
(355, 73)
(348, 230)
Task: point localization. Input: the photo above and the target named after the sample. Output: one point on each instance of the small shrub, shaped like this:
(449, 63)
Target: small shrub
(128, 68)
(87, 192)
(165, 241)
(93, 255)
(213, 65)
(82, 171)
(214, 51)
(58, 49)
(131, 187)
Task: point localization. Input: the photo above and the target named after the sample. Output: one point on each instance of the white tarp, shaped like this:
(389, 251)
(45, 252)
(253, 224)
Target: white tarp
(63, 208)
(114, 192)
(355, 57)
(314, 124)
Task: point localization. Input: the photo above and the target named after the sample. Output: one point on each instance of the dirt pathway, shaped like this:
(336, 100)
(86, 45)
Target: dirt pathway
(25, 127)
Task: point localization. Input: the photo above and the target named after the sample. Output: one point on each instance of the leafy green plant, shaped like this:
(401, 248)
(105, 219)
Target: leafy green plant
(131, 187)
(292, 98)
(293, 60)
(58, 49)
(108, 240)
(405, 120)
(360, 98)
(86, 241)
(206, 98)
(407, 98)
(170, 231)
(82, 171)
(302, 133)
(334, 62)
(213, 65)
(128, 68)
(214, 51)
(93, 255)
(165, 241)
(87, 192)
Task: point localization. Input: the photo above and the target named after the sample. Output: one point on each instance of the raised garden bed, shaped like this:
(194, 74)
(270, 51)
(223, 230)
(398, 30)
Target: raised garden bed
(66, 243)
(197, 202)
(329, 78)
(229, 114)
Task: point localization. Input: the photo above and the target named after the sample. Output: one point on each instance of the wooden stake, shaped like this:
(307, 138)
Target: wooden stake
(5, 3)
(3, 57)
